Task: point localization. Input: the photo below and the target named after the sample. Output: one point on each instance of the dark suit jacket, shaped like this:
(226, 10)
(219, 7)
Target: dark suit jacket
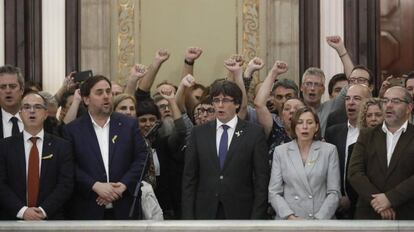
(369, 174)
(337, 117)
(241, 186)
(336, 135)
(1, 125)
(127, 154)
(56, 177)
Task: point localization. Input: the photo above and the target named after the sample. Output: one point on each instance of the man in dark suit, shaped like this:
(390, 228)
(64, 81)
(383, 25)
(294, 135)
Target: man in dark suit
(11, 91)
(381, 169)
(343, 136)
(36, 168)
(226, 171)
(109, 153)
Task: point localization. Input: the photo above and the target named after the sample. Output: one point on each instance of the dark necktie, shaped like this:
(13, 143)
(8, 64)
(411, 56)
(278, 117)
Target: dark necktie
(33, 175)
(15, 127)
(223, 145)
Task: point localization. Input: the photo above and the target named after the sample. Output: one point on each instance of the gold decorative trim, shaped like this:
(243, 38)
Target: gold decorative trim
(250, 42)
(126, 42)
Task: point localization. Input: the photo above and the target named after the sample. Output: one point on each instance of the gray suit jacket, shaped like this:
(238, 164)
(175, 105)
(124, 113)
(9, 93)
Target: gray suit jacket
(310, 191)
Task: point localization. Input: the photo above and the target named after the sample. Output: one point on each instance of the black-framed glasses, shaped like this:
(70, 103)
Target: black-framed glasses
(394, 101)
(36, 107)
(223, 100)
(358, 80)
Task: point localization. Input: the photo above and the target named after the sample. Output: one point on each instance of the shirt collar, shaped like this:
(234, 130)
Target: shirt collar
(350, 126)
(403, 128)
(27, 135)
(96, 124)
(7, 116)
(232, 123)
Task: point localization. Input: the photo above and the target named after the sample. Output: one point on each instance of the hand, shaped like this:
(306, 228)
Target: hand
(33, 213)
(188, 81)
(336, 43)
(105, 191)
(77, 96)
(193, 53)
(278, 68)
(344, 203)
(254, 65)
(167, 93)
(167, 87)
(232, 65)
(100, 201)
(161, 56)
(388, 214)
(293, 217)
(386, 84)
(119, 188)
(380, 202)
(138, 71)
(69, 82)
(238, 58)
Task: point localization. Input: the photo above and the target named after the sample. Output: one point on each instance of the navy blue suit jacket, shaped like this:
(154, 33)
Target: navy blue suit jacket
(56, 176)
(127, 154)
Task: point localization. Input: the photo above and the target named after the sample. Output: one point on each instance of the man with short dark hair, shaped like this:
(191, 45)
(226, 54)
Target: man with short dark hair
(36, 168)
(336, 83)
(381, 168)
(11, 91)
(226, 172)
(109, 152)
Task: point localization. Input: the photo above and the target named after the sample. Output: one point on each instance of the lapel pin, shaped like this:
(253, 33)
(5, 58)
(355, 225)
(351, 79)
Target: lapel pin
(238, 133)
(114, 138)
(47, 157)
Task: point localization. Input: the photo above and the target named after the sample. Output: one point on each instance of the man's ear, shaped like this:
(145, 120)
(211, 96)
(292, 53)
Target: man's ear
(85, 100)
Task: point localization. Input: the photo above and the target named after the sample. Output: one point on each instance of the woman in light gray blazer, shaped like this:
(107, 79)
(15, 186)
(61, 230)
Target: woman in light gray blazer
(305, 181)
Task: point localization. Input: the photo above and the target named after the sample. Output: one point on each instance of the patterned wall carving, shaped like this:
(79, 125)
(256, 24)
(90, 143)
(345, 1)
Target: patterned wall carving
(126, 42)
(250, 28)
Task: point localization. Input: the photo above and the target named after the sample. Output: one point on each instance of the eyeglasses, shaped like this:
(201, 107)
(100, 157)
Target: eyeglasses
(358, 80)
(394, 101)
(223, 100)
(312, 84)
(208, 110)
(35, 107)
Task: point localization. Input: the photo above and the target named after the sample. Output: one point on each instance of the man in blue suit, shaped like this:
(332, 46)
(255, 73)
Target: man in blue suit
(109, 156)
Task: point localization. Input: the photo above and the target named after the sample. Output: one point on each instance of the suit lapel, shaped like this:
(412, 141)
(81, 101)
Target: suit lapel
(211, 144)
(295, 158)
(21, 161)
(46, 155)
(115, 126)
(380, 145)
(235, 141)
(313, 157)
(1, 124)
(402, 143)
(94, 144)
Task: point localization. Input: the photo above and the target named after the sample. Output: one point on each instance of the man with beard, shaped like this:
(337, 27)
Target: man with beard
(165, 112)
(382, 163)
(343, 136)
(109, 152)
(11, 91)
(167, 148)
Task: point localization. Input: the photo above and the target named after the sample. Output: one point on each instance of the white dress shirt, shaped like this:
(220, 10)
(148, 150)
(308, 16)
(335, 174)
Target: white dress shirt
(351, 138)
(102, 135)
(392, 139)
(230, 131)
(7, 124)
(27, 147)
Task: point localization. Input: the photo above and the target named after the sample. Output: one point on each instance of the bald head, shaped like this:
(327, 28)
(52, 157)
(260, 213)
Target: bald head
(354, 97)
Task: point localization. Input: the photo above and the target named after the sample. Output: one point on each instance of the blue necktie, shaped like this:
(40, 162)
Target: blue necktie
(223, 145)
(15, 127)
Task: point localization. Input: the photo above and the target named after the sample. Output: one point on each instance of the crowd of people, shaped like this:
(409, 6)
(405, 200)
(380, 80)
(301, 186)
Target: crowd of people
(230, 150)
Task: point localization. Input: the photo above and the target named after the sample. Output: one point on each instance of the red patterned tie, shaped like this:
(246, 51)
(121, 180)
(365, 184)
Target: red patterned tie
(33, 175)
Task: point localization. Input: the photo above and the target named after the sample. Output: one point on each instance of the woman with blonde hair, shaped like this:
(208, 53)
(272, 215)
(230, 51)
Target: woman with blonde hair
(371, 113)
